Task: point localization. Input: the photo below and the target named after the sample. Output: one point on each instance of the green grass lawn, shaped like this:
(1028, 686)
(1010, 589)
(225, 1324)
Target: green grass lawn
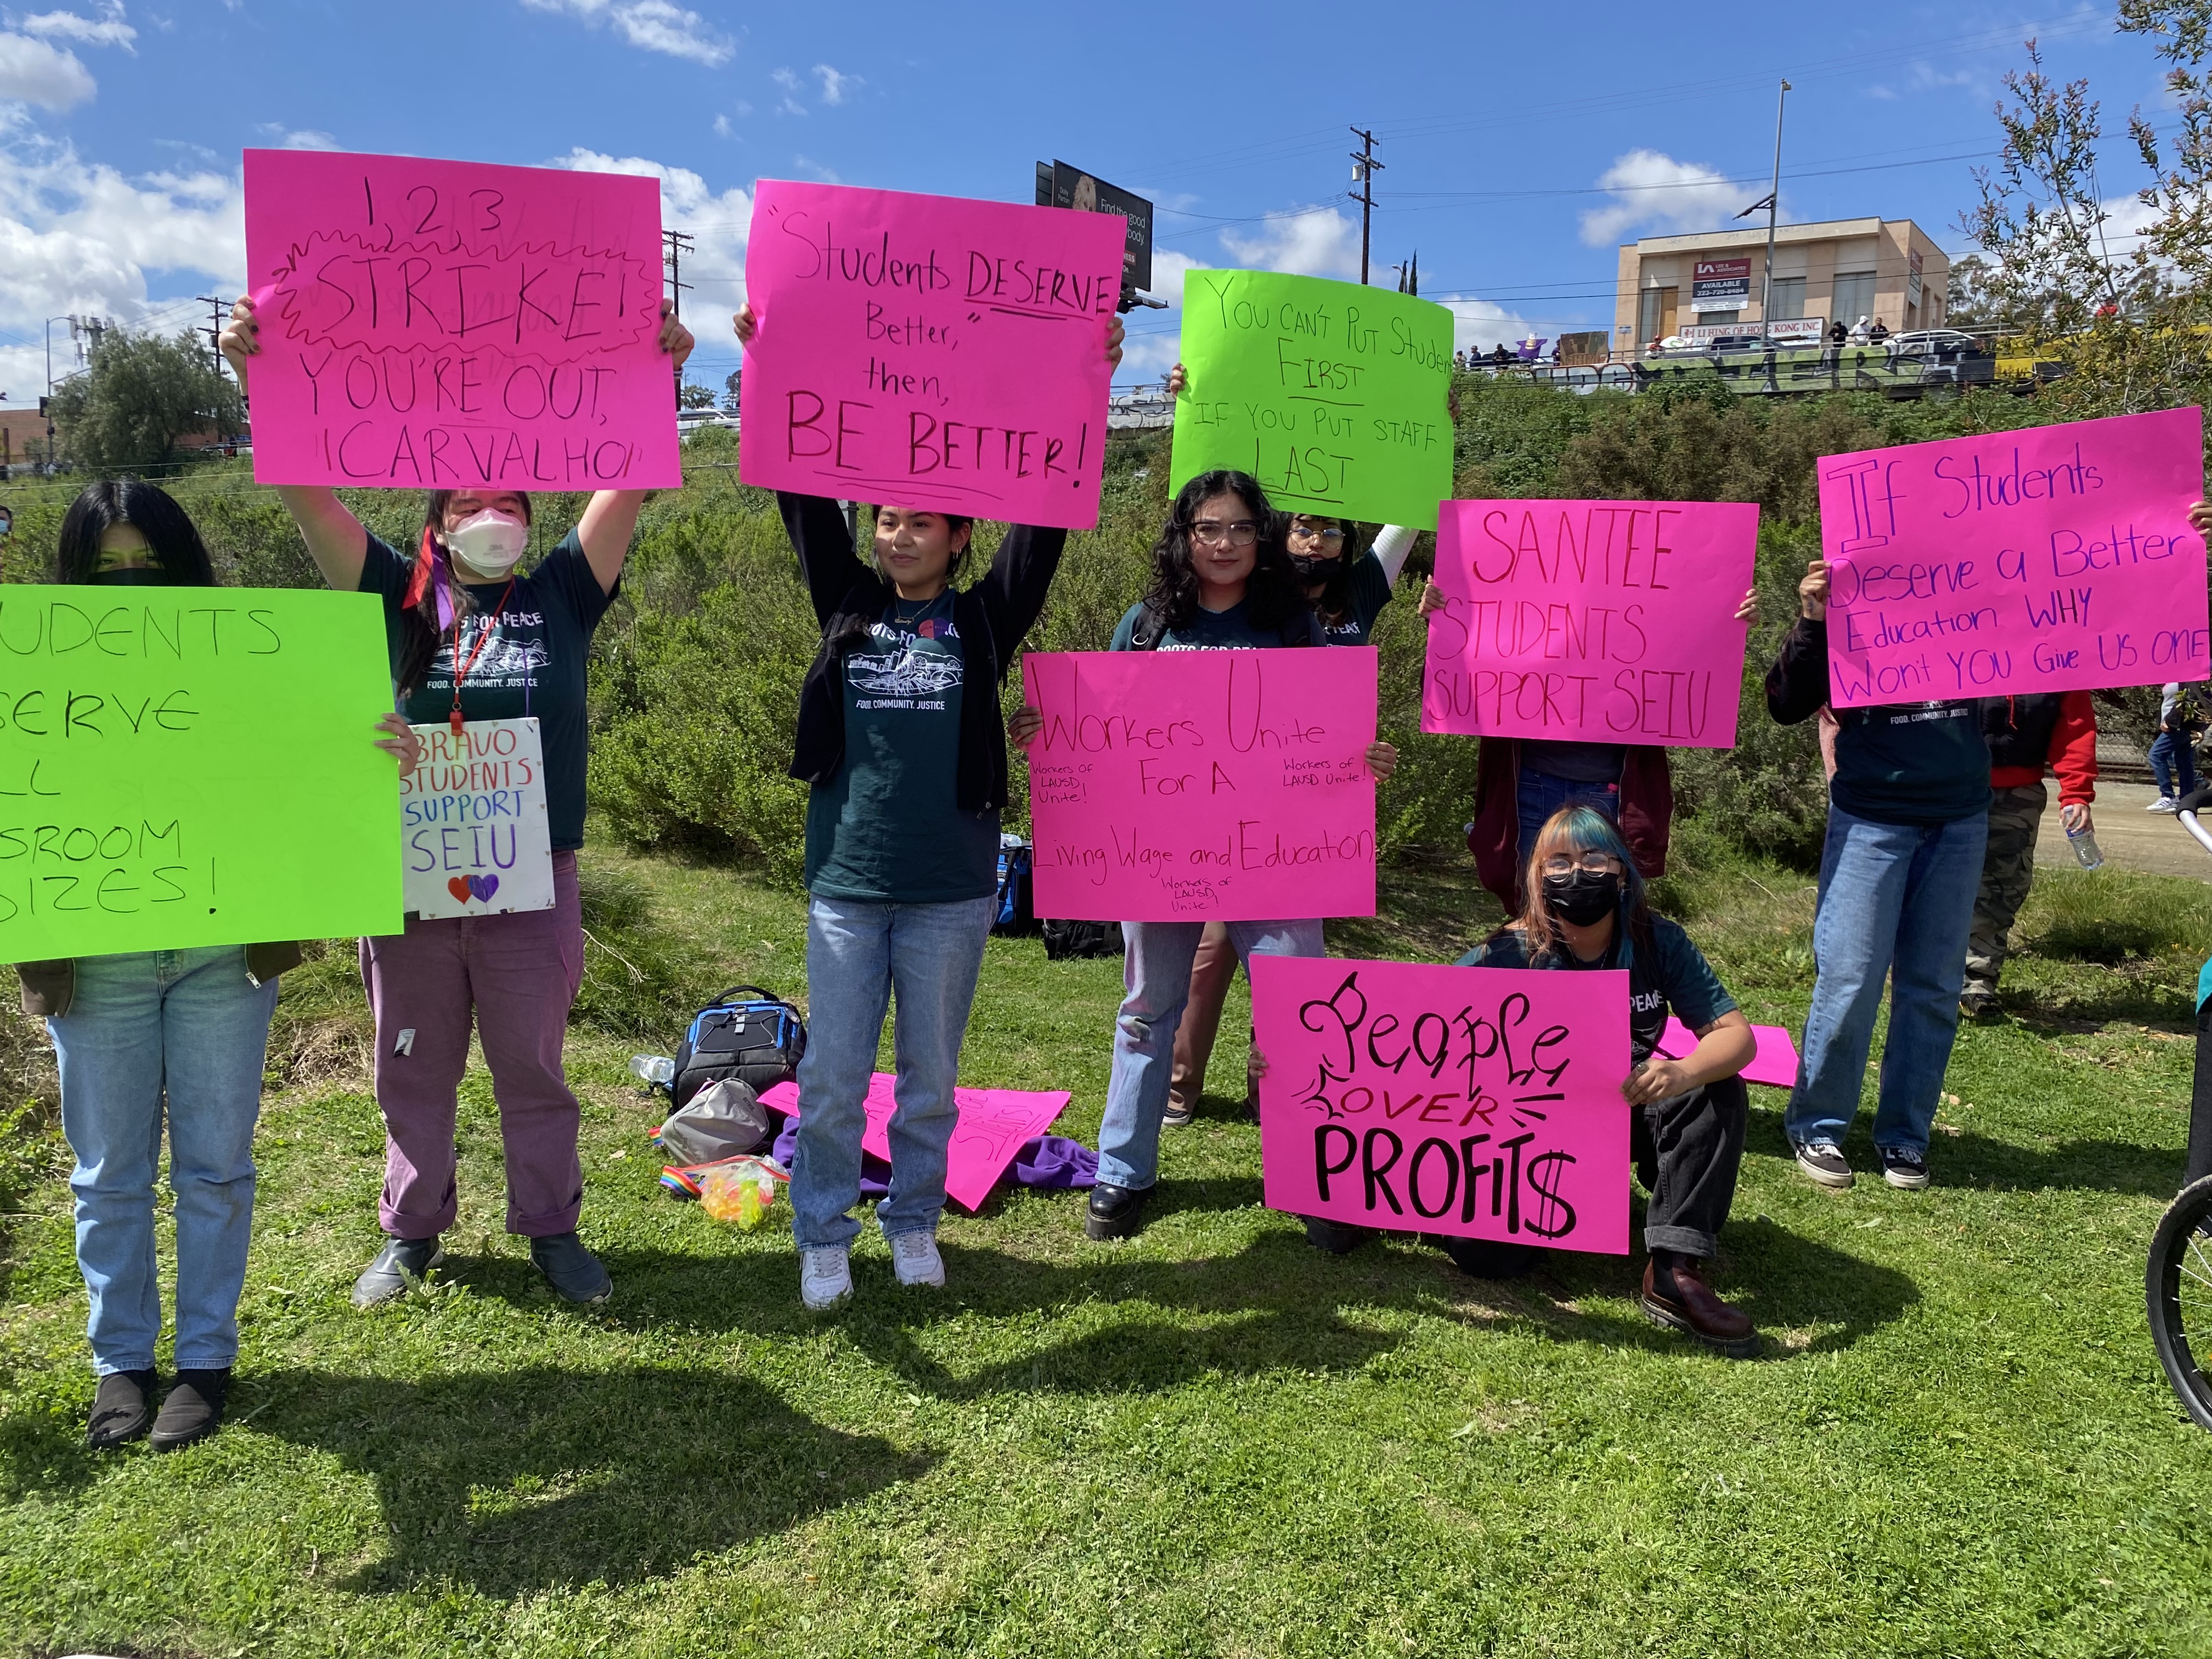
(1211, 1439)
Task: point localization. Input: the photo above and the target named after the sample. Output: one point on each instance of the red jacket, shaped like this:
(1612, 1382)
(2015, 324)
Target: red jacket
(1647, 813)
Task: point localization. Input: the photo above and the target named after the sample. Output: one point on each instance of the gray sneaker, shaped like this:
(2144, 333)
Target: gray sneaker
(1823, 1161)
(574, 1272)
(400, 1266)
(1903, 1169)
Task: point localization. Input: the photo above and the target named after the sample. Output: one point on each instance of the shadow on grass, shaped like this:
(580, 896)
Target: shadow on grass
(526, 1481)
(1969, 1159)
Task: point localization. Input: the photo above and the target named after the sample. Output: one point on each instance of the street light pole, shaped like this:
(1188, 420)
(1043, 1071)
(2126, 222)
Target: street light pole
(49, 399)
(1773, 206)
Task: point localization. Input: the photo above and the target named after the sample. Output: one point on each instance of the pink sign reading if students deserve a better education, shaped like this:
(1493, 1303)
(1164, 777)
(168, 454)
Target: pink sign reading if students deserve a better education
(2057, 558)
(1202, 786)
(1592, 621)
(1480, 1101)
(929, 352)
(433, 325)
(993, 1123)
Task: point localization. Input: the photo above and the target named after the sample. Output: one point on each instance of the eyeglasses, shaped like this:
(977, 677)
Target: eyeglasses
(1213, 532)
(1306, 532)
(1596, 864)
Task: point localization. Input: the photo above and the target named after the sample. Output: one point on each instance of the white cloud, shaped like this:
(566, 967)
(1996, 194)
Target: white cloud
(1482, 323)
(717, 222)
(304, 138)
(650, 25)
(78, 237)
(722, 127)
(834, 84)
(34, 72)
(1649, 188)
(108, 30)
(1305, 242)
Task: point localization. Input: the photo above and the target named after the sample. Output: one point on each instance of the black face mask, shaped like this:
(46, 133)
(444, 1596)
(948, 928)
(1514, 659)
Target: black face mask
(1582, 896)
(1311, 569)
(142, 575)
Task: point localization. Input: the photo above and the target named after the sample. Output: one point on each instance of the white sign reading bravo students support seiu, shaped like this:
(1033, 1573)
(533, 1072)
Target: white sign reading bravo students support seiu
(472, 817)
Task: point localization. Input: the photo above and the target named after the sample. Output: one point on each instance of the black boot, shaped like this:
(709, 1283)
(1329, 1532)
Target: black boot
(120, 1411)
(1115, 1211)
(193, 1410)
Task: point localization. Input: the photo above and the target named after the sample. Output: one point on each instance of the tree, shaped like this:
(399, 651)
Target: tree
(1969, 304)
(689, 396)
(730, 396)
(140, 397)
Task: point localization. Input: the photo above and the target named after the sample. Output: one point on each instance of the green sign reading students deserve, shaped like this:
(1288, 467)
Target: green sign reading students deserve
(1329, 394)
(184, 766)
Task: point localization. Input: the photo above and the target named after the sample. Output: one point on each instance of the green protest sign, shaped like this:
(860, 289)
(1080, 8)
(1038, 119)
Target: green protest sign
(184, 766)
(1329, 394)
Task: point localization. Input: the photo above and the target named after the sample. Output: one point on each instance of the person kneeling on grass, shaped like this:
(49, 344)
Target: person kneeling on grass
(1586, 909)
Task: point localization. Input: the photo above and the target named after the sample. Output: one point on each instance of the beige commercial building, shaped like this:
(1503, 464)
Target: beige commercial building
(1839, 269)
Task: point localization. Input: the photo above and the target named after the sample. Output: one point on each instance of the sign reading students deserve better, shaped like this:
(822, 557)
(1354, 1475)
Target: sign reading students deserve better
(925, 351)
(473, 811)
(184, 766)
(1202, 786)
(1596, 622)
(1331, 394)
(2054, 559)
(1479, 1102)
(448, 324)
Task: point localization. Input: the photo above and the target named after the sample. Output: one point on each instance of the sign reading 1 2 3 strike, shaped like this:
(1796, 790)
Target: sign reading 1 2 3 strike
(2057, 558)
(1331, 394)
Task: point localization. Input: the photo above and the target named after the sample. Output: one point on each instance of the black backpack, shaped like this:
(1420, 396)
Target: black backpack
(1064, 939)
(746, 1033)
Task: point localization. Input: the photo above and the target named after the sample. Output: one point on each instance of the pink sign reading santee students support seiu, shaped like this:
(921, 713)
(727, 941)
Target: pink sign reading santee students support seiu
(1480, 1101)
(434, 325)
(1202, 786)
(926, 351)
(992, 1125)
(2054, 559)
(1599, 621)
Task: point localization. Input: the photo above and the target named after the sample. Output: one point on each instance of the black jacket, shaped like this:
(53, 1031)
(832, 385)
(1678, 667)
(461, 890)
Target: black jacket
(850, 598)
(2019, 728)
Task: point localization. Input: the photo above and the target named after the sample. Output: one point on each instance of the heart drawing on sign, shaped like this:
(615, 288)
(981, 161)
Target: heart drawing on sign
(458, 887)
(484, 886)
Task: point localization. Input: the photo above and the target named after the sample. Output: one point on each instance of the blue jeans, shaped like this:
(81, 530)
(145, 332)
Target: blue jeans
(1540, 795)
(2173, 762)
(1896, 901)
(858, 956)
(190, 1026)
(1157, 975)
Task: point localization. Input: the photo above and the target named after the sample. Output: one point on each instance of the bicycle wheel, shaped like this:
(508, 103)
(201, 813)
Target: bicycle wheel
(2180, 1285)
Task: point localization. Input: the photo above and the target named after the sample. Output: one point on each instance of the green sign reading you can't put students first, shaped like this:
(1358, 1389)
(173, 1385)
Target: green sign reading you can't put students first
(1333, 395)
(184, 766)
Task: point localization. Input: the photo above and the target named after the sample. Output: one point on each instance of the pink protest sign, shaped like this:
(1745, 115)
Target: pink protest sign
(1774, 1064)
(1480, 1101)
(993, 1124)
(2054, 559)
(1202, 786)
(444, 325)
(1592, 622)
(925, 351)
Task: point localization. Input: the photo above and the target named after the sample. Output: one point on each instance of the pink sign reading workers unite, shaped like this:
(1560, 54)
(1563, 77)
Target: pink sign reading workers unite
(1202, 786)
(1601, 622)
(2054, 559)
(445, 325)
(993, 1123)
(1480, 1101)
(928, 352)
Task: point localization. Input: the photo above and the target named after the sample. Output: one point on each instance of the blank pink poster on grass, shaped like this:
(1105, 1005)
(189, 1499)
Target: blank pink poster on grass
(993, 1126)
(1775, 1064)
(929, 351)
(429, 325)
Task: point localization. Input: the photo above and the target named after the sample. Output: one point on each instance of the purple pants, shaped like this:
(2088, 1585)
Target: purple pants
(518, 974)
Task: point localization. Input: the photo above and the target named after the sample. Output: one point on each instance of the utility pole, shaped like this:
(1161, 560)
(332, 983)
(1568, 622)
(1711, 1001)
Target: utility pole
(217, 311)
(46, 402)
(1364, 169)
(680, 244)
(1773, 206)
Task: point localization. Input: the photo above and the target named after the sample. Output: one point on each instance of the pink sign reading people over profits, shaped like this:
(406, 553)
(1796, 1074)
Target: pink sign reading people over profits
(1202, 786)
(1600, 622)
(1480, 1101)
(442, 324)
(993, 1126)
(2054, 559)
(926, 351)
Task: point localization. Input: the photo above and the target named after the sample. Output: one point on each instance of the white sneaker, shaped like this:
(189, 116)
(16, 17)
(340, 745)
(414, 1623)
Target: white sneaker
(2163, 803)
(914, 1257)
(825, 1276)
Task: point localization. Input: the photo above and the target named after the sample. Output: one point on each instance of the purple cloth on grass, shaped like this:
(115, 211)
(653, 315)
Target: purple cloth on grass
(1049, 1161)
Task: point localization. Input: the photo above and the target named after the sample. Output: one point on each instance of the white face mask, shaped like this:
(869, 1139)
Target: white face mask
(488, 543)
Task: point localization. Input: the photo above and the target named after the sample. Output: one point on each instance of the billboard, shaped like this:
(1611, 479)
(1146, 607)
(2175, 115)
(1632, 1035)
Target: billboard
(1059, 185)
(1720, 285)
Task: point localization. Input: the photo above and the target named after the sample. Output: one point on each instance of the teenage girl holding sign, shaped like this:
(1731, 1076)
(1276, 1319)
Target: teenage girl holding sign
(470, 639)
(899, 738)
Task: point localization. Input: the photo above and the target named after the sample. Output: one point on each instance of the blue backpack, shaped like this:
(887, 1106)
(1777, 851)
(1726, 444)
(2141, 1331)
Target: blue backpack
(1015, 914)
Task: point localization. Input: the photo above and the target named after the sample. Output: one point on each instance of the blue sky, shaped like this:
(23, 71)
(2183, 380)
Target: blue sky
(1521, 144)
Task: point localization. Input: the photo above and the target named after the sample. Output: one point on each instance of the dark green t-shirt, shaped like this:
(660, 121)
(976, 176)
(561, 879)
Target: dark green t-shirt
(887, 828)
(532, 663)
(1370, 592)
(1673, 974)
(1209, 630)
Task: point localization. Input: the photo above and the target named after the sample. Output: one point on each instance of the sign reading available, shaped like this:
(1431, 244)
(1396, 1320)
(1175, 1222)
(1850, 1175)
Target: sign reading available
(1202, 786)
(1479, 1102)
(926, 351)
(441, 325)
(2054, 559)
(1720, 285)
(1601, 622)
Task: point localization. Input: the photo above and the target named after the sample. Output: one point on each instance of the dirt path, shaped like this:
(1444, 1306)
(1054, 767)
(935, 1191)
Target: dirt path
(2132, 838)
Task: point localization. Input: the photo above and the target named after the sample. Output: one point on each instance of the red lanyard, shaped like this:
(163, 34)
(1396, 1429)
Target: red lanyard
(460, 668)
